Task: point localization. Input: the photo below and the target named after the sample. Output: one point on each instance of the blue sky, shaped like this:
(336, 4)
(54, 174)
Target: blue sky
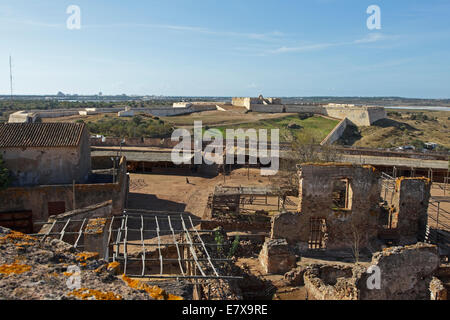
(227, 48)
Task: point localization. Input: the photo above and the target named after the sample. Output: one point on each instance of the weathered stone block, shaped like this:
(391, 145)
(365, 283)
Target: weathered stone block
(275, 256)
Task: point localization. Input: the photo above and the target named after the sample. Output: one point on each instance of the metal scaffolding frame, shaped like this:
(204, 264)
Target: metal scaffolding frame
(188, 249)
(192, 255)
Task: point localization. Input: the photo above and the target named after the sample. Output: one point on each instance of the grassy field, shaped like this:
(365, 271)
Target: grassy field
(316, 127)
(403, 127)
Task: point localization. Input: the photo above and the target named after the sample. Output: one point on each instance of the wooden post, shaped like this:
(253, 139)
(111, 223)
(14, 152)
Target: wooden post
(73, 191)
(437, 221)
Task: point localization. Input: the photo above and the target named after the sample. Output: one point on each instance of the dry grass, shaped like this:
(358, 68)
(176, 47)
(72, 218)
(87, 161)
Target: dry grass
(399, 130)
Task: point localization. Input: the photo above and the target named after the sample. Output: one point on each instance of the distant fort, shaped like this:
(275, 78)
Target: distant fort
(357, 115)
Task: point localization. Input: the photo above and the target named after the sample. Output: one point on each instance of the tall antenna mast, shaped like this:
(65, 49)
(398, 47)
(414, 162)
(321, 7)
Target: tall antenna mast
(10, 77)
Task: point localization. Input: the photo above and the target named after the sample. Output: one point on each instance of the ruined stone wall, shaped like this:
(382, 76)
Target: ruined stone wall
(406, 273)
(275, 256)
(402, 273)
(410, 201)
(316, 201)
(44, 165)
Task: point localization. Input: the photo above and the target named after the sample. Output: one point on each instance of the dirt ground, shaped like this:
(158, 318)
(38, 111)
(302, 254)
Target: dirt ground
(158, 192)
(170, 192)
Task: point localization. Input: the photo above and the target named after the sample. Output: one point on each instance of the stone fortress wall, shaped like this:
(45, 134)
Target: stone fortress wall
(357, 115)
(178, 109)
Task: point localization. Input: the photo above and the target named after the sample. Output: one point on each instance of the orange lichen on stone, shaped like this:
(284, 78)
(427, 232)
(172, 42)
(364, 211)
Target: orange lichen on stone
(20, 244)
(95, 226)
(368, 166)
(399, 180)
(154, 291)
(87, 294)
(84, 256)
(16, 236)
(15, 268)
(113, 265)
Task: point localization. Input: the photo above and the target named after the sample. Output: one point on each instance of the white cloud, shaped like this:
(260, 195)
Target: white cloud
(303, 48)
(369, 38)
(372, 37)
(267, 36)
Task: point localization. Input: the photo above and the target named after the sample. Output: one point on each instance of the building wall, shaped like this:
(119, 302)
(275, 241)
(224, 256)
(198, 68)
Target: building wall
(182, 104)
(410, 201)
(315, 201)
(36, 199)
(21, 117)
(126, 113)
(43, 166)
(241, 102)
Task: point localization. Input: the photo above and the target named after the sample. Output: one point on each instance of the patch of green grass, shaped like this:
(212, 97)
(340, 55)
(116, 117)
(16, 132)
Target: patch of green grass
(317, 127)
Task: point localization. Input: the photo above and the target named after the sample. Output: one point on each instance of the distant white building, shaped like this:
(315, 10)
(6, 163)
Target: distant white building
(22, 117)
(88, 111)
(126, 113)
(182, 105)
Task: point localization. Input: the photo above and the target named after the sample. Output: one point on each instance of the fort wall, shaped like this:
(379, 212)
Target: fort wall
(336, 133)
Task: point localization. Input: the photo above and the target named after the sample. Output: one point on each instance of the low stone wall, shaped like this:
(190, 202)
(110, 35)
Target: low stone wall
(330, 282)
(170, 111)
(268, 108)
(276, 257)
(336, 133)
(299, 108)
(134, 142)
(94, 238)
(405, 274)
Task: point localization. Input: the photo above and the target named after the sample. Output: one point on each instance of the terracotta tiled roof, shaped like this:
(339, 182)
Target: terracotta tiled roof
(19, 135)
